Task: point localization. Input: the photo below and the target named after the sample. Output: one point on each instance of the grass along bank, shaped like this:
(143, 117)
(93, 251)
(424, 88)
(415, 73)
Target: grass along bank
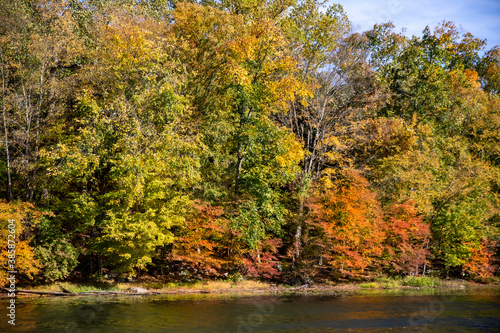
(248, 287)
(411, 281)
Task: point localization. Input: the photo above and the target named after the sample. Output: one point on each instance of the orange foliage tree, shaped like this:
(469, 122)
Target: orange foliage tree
(350, 220)
(202, 241)
(406, 240)
(207, 243)
(264, 261)
(480, 263)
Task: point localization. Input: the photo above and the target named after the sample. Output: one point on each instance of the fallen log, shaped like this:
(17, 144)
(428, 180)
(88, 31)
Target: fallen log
(106, 292)
(82, 293)
(302, 287)
(54, 293)
(193, 291)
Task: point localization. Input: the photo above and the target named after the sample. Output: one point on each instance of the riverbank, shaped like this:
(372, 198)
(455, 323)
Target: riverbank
(249, 287)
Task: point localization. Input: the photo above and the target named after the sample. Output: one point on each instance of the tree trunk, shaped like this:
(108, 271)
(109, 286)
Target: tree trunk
(298, 234)
(238, 169)
(6, 132)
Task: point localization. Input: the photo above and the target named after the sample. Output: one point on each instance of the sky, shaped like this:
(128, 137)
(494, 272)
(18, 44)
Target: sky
(479, 17)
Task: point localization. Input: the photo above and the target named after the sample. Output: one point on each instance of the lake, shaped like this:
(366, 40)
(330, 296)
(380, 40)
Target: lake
(369, 311)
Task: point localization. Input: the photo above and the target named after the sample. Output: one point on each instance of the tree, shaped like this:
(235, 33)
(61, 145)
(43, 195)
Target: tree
(203, 243)
(407, 239)
(238, 74)
(18, 221)
(39, 54)
(349, 217)
(333, 63)
(120, 175)
(489, 69)
(434, 86)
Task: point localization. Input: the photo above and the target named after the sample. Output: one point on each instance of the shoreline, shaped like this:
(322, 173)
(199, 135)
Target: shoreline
(243, 288)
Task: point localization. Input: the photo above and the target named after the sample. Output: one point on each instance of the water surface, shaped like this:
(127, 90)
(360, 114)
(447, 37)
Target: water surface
(441, 311)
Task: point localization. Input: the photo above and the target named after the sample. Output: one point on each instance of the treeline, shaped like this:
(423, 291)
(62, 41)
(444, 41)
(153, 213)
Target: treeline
(259, 138)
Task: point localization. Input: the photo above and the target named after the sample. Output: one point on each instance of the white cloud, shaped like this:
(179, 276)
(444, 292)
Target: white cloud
(480, 17)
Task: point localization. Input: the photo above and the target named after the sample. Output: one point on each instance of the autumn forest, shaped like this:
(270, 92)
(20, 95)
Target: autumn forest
(268, 139)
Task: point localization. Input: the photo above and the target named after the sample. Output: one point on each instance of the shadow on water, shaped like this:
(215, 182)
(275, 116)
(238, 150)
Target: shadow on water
(427, 310)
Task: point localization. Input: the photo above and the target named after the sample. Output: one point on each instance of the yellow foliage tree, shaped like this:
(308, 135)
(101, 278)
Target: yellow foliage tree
(17, 221)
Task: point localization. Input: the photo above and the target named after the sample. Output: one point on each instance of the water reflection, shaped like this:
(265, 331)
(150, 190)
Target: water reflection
(368, 312)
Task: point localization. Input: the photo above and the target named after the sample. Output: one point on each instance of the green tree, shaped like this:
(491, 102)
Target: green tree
(120, 174)
(238, 74)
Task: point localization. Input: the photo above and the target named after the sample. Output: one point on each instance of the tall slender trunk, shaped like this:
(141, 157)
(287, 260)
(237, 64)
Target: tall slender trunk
(37, 126)
(298, 233)
(425, 262)
(240, 153)
(26, 102)
(238, 169)
(6, 132)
